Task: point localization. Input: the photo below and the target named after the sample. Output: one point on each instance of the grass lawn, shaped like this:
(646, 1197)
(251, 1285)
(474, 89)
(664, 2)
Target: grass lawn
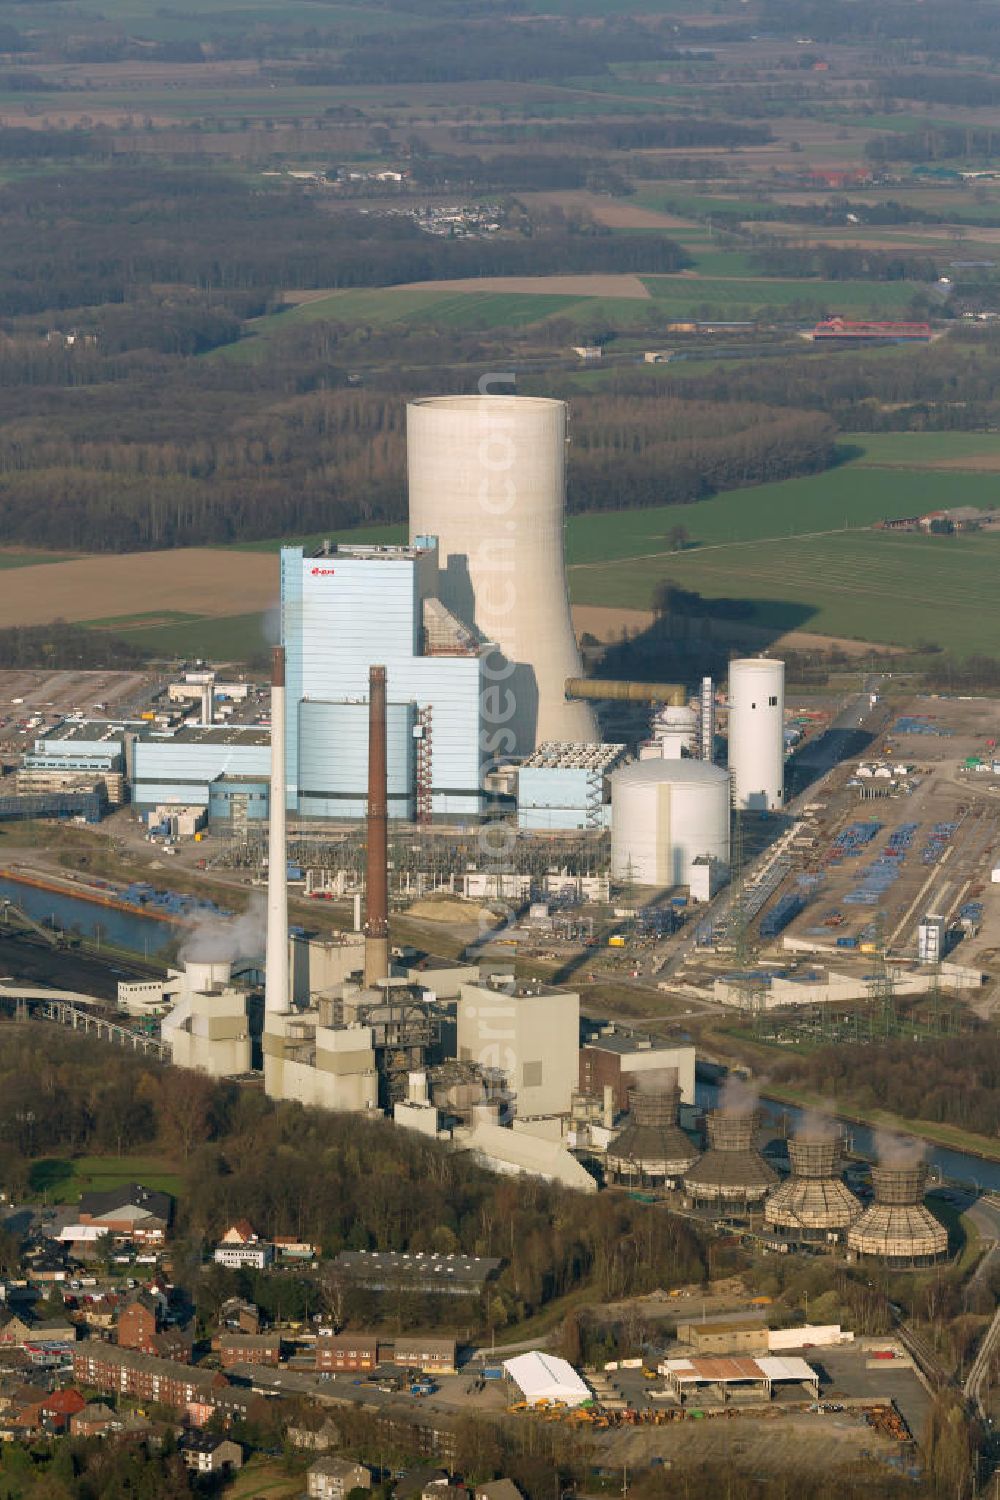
(65, 1178)
(268, 1477)
(15, 559)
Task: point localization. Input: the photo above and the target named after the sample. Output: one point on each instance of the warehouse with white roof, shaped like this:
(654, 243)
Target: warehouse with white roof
(544, 1377)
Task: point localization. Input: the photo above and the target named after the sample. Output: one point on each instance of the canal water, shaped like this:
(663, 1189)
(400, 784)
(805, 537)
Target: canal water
(954, 1166)
(140, 934)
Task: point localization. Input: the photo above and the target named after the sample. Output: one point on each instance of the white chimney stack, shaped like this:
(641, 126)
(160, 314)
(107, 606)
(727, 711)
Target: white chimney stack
(276, 999)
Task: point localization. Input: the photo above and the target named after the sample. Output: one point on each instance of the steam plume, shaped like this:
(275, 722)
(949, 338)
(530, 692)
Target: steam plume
(898, 1150)
(225, 939)
(738, 1097)
(655, 1081)
(818, 1125)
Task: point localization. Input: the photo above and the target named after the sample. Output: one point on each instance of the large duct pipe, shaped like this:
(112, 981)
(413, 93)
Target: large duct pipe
(629, 692)
(276, 999)
(377, 859)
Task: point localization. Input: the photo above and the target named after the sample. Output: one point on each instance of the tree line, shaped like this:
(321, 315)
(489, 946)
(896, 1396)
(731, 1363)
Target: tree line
(944, 1080)
(206, 458)
(309, 1173)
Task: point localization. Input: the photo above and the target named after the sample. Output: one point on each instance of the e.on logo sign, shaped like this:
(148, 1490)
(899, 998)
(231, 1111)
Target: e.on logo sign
(323, 572)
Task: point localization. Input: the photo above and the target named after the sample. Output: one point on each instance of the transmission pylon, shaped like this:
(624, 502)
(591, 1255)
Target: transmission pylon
(882, 985)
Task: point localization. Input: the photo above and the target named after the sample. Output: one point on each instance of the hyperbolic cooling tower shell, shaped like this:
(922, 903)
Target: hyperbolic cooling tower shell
(487, 477)
(665, 814)
(731, 1170)
(757, 732)
(652, 1145)
(897, 1227)
(813, 1201)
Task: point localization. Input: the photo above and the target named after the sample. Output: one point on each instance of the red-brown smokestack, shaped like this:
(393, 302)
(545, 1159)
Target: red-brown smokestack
(377, 864)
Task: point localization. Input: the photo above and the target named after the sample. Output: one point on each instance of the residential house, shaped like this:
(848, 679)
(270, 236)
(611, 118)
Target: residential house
(421, 1480)
(58, 1410)
(315, 1439)
(241, 1232)
(332, 1478)
(239, 1316)
(140, 1326)
(249, 1349)
(346, 1351)
(498, 1489)
(426, 1352)
(129, 1373)
(210, 1453)
(94, 1420)
(255, 1254)
(290, 1247)
(14, 1328)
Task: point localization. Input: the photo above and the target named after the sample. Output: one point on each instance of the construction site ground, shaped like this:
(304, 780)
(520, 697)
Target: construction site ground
(763, 1439)
(943, 792)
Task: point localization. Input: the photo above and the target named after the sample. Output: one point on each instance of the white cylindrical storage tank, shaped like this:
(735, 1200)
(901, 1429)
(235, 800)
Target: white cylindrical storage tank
(757, 732)
(487, 477)
(665, 814)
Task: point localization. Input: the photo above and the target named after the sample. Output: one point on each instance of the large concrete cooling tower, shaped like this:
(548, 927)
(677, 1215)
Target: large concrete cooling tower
(487, 477)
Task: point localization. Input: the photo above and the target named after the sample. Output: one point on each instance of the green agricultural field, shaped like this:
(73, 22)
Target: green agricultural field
(868, 585)
(384, 307)
(15, 559)
(219, 637)
(922, 450)
(680, 294)
(849, 496)
(66, 1178)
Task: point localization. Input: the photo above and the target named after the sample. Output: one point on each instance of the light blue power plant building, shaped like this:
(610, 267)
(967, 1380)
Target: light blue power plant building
(342, 608)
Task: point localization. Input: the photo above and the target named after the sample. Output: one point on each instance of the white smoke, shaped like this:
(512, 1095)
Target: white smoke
(898, 1150)
(270, 625)
(217, 939)
(738, 1097)
(653, 1081)
(818, 1125)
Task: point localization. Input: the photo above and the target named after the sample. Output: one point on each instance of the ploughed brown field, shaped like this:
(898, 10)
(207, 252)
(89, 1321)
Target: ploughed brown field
(193, 580)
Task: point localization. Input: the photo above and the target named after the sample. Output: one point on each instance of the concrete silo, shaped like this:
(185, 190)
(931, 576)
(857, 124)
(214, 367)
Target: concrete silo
(665, 814)
(757, 732)
(487, 477)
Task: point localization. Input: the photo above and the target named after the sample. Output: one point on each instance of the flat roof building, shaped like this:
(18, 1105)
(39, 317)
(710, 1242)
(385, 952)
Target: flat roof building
(528, 1037)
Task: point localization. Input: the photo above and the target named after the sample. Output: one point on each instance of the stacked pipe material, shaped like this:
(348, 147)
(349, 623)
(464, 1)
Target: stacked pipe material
(897, 1228)
(732, 1170)
(813, 1203)
(276, 977)
(377, 855)
(652, 1146)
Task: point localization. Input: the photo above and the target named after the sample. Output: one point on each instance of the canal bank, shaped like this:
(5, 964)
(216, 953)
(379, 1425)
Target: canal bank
(56, 906)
